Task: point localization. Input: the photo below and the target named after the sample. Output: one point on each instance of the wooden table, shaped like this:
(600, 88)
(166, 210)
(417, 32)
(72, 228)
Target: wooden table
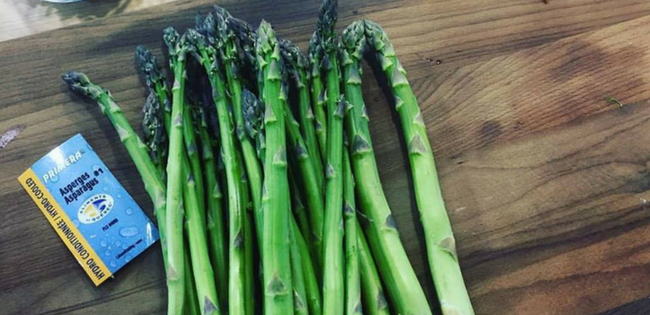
(546, 183)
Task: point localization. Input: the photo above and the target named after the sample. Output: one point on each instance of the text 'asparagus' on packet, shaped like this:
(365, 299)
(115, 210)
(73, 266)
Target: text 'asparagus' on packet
(92, 213)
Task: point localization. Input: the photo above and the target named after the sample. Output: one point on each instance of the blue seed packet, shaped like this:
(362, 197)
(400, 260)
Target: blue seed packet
(92, 213)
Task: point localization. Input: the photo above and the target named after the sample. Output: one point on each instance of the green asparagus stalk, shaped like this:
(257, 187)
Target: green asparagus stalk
(191, 299)
(441, 245)
(228, 49)
(277, 283)
(214, 216)
(226, 40)
(372, 292)
(297, 65)
(155, 137)
(352, 277)
(253, 109)
(192, 151)
(394, 266)
(312, 189)
(155, 80)
(312, 287)
(333, 260)
(175, 244)
(207, 56)
(155, 187)
(297, 276)
(299, 211)
(202, 269)
(249, 263)
(317, 92)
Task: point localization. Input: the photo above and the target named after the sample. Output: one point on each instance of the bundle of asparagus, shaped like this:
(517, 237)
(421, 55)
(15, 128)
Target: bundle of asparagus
(263, 213)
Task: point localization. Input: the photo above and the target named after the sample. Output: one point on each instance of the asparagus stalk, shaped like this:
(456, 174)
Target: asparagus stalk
(312, 287)
(394, 266)
(277, 283)
(297, 276)
(191, 299)
(299, 211)
(156, 140)
(214, 216)
(155, 187)
(155, 80)
(441, 245)
(203, 273)
(207, 56)
(372, 292)
(253, 109)
(333, 260)
(192, 151)
(352, 277)
(226, 41)
(317, 92)
(312, 189)
(249, 267)
(175, 244)
(297, 64)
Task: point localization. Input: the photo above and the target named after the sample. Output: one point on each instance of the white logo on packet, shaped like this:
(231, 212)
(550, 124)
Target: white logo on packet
(95, 208)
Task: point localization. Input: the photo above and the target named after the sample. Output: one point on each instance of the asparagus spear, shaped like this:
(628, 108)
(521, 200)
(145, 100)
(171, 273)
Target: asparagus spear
(191, 298)
(352, 277)
(318, 92)
(155, 80)
(297, 65)
(225, 40)
(312, 189)
(395, 269)
(297, 276)
(155, 137)
(214, 216)
(253, 110)
(207, 56)
(312, 288)
(441, 245)
(203, 273)
(155, 187)
(277, 284)
(372, 292)
(299, 211)
(192, 151)
(333, 260)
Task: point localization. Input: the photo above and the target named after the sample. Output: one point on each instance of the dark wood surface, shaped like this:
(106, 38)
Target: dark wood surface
(547, 184)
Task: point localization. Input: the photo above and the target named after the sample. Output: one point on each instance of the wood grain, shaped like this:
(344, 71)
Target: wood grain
(546, 183)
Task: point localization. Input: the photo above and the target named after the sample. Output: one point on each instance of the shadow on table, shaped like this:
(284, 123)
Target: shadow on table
(84, 10)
